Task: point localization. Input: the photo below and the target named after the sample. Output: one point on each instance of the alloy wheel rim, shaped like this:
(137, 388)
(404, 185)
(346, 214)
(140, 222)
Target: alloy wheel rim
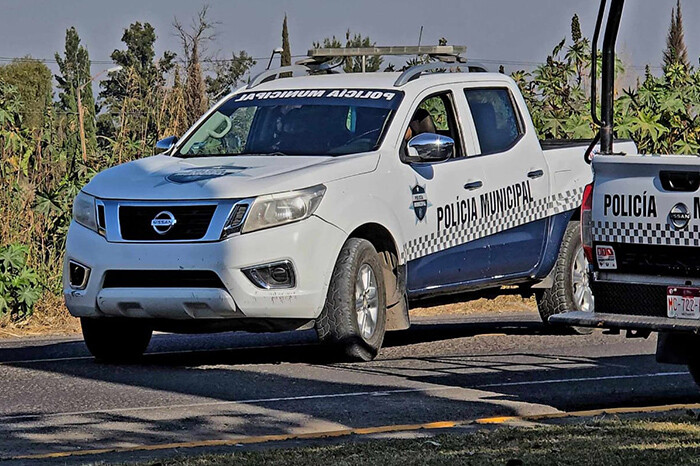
(583, 296)
(366, 301)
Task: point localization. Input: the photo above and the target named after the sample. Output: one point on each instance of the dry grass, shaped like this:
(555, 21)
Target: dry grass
(507, 303)
(50, 318)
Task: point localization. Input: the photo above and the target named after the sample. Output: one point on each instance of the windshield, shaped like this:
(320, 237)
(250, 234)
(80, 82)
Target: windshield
(298, 122)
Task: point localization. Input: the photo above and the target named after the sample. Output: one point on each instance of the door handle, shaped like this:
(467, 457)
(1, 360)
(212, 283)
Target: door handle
(473, 185)
(535, 174)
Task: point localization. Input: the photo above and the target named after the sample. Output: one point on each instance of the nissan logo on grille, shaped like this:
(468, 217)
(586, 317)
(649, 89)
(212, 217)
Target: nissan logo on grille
(163, 222)
(680, 216)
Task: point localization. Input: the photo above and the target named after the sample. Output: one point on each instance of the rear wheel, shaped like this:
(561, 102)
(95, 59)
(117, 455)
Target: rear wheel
(114, 339)
(571, 290)
(353, 320)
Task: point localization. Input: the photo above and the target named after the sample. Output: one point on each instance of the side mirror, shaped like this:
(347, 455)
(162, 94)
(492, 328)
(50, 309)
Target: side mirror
(431, 147)
(166, 144)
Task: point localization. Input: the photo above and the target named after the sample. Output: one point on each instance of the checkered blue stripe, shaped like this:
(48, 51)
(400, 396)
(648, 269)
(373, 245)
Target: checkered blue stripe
(655, 234)
(456, 236)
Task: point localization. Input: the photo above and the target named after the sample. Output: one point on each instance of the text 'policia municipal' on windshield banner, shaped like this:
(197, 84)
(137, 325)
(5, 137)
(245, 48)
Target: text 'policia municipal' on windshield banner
(360, 97)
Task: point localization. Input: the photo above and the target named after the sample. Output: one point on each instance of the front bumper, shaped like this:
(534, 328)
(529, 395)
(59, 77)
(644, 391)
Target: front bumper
(312, 246)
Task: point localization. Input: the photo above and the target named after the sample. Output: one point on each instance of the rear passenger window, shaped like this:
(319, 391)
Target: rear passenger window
(497, 123)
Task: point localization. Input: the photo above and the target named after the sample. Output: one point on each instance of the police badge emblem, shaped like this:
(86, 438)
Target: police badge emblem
(420, 202)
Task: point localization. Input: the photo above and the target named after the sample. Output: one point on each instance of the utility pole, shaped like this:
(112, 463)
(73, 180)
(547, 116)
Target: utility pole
(81, 118)
(81, 122)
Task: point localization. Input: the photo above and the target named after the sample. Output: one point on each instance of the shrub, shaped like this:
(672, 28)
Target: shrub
(19, 284)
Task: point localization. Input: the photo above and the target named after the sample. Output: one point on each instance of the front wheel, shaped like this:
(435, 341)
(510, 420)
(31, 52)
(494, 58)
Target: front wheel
(571, 290)
(115, 340)
(353, 319)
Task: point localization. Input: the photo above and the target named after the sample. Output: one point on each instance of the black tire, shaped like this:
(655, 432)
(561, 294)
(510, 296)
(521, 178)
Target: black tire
(115, 340)
(338, 326)
(560, 297)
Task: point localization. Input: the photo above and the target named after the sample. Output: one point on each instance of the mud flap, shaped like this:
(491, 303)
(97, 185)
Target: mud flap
(677, 348)
(397, 317)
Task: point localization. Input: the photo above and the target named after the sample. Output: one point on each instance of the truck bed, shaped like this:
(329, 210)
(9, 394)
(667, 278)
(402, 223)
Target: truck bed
(552, 144)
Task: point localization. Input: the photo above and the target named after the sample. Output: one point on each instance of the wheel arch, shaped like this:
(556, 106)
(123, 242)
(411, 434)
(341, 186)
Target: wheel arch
(394, 272)
(576, 216)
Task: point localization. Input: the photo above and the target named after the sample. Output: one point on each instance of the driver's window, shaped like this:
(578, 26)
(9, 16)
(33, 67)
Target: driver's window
(435, 114)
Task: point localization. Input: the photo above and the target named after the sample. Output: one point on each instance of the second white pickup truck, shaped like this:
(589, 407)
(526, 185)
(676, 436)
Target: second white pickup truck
(329, 201)
(640, 225)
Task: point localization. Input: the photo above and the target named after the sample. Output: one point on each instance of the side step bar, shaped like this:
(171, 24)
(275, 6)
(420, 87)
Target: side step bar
(625, 322)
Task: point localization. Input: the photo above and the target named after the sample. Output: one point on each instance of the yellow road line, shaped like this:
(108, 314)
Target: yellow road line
(359, 431)
(496, 420)
(248, 440)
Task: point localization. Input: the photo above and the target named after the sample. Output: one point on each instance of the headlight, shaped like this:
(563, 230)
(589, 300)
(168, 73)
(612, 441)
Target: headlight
(84, 211)
(279, 209)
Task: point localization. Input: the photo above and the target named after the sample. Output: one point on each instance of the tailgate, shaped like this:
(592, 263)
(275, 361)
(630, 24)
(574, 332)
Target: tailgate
(650, 200)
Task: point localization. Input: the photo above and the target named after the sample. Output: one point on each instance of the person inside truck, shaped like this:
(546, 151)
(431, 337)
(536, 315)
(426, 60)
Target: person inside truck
(422, 122)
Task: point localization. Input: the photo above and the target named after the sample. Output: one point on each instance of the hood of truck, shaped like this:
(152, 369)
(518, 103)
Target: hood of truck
(162, 177)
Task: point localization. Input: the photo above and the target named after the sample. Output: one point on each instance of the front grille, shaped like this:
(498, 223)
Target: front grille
(678, 261)
(191, 222)
(162, 279)
(629, 299)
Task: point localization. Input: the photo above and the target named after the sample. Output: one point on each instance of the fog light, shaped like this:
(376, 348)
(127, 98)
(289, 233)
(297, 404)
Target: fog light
(78, 275)
(272, 276)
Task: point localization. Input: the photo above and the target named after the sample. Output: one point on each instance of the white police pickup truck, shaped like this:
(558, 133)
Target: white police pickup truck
(640, 228)
(328, 201)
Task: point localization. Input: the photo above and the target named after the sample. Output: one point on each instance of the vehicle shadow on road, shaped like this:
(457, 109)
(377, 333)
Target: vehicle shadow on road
(437, 329)
(240, 348)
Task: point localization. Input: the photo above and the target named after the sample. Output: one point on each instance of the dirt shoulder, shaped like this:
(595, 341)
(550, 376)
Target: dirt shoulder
(50, 318)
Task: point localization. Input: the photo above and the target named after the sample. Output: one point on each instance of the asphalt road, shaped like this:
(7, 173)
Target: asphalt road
(55, 398)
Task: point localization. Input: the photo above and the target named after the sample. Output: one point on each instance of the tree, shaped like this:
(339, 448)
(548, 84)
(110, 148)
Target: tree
(286, 57)
(175, 108)
(661, 113)
(353, 64)
(555, 93)
(676, 51)
(32, 79)
(74, 69)
(15, 149)
(227, 74)
(193, 40)
(579, 52)
(137, 61)
(133, 97)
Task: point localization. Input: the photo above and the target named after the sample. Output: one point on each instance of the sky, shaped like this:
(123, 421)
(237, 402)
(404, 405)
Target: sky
(523, 31)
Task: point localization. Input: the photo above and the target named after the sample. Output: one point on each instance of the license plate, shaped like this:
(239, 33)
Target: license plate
(683, 302)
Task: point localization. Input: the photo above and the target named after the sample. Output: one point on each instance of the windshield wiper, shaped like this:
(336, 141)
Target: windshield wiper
(275, 154)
